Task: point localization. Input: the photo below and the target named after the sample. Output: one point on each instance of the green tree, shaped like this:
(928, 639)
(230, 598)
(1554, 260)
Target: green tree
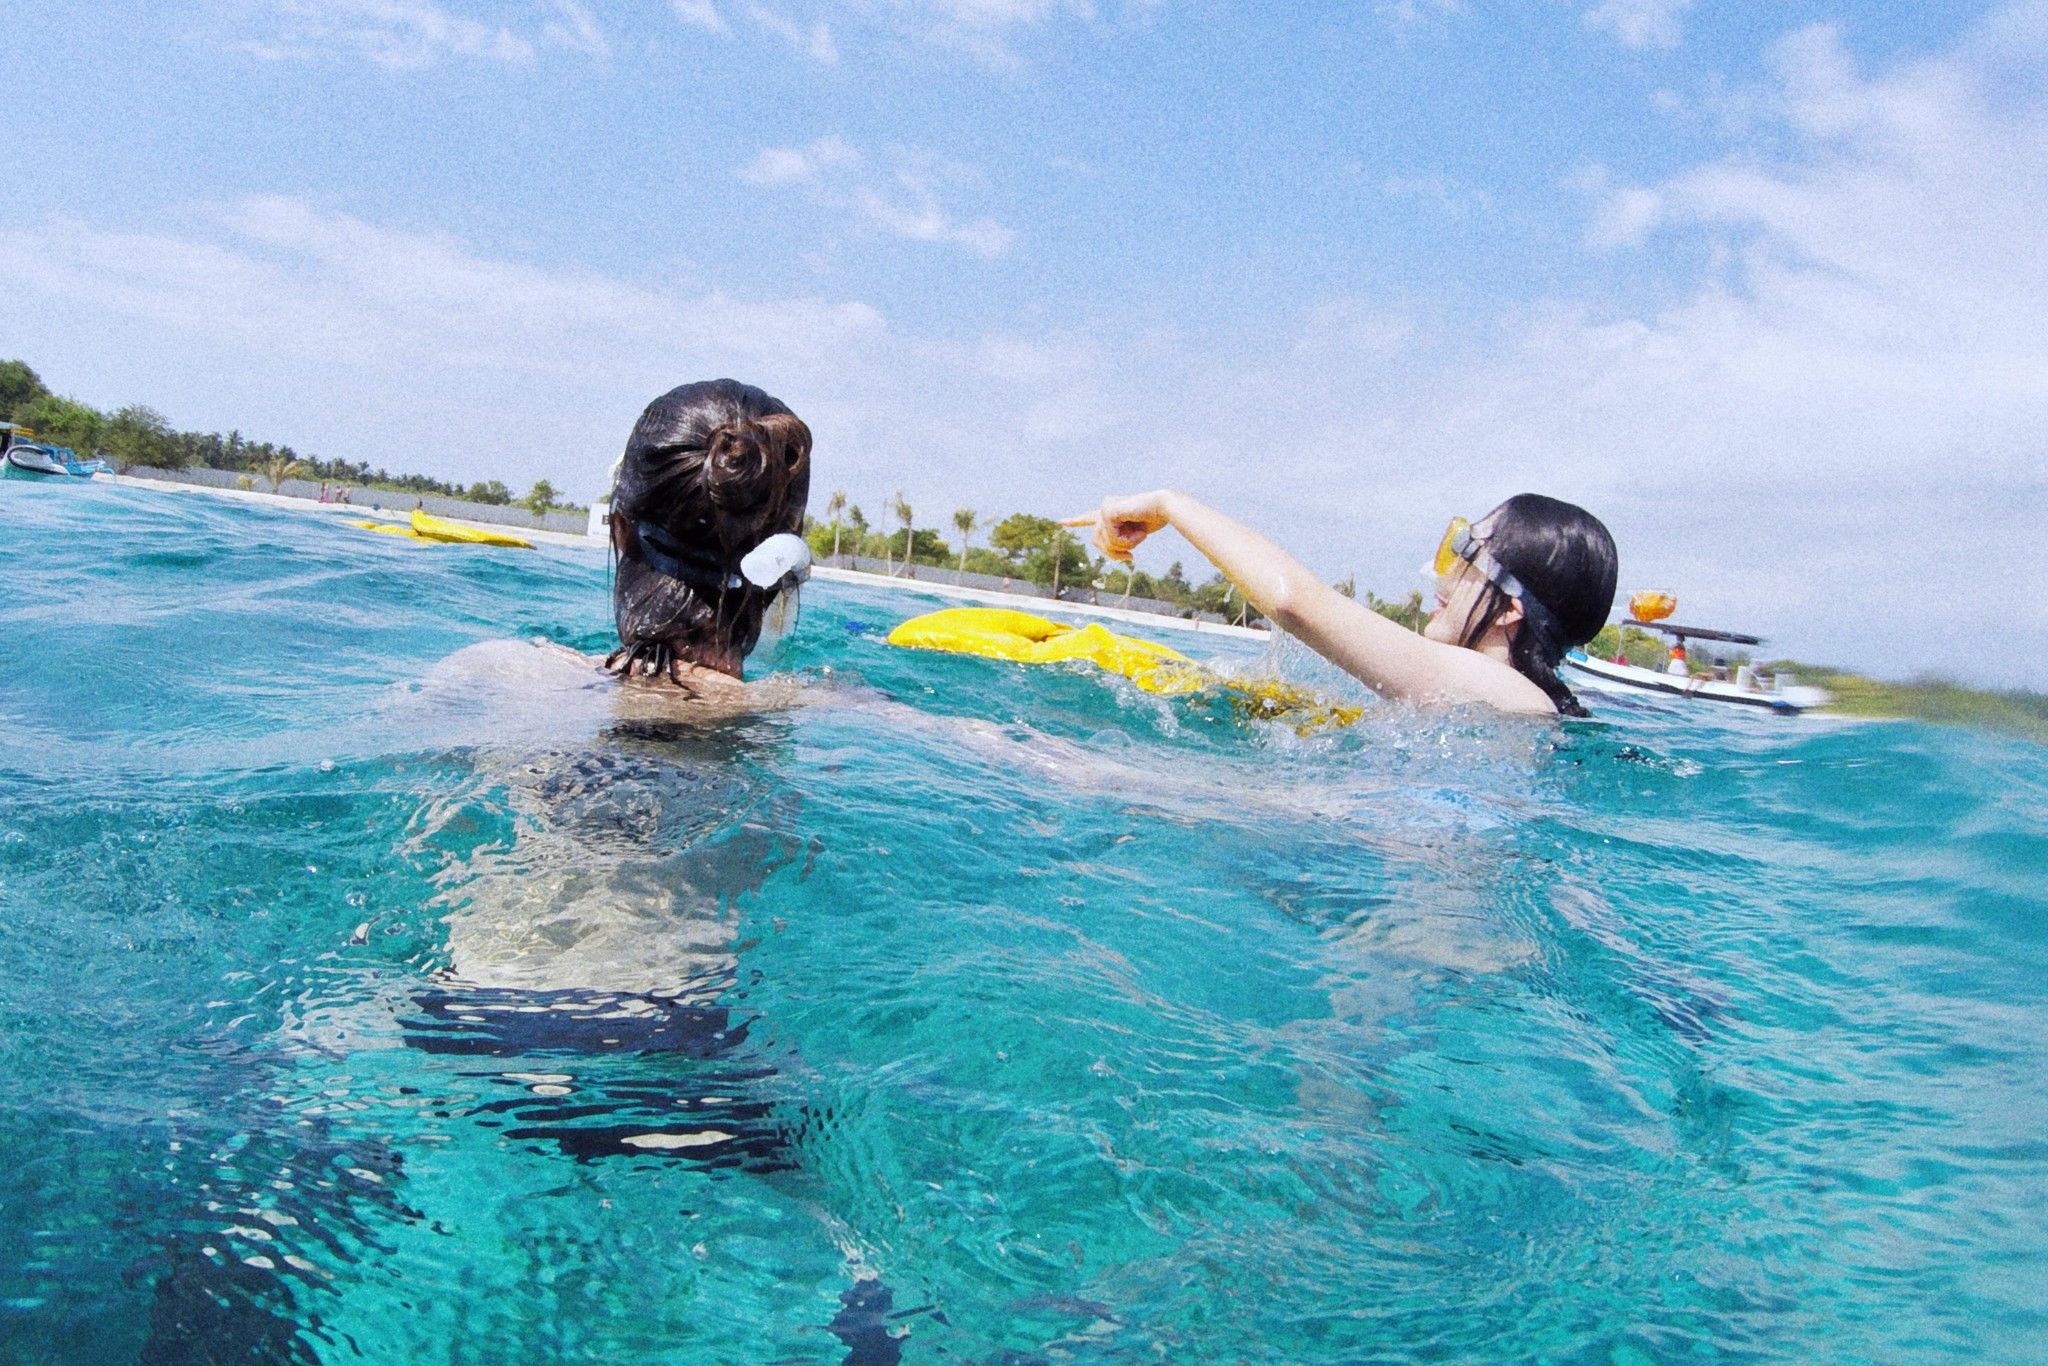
(139, 436)
(1060, 561)
(1221, 597)
(982, 560)
(490, 491)
(964, 522)
(926, 547)
(899, 508)
(1126, 581)
(64, 421)
(541, 497)
(1020, 533)
(1407, 611)
(1632, 643)
(281, 467)
(834, 506)
(19, 387)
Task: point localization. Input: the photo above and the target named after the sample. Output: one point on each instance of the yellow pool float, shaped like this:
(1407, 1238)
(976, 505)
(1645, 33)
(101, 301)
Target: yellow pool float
(999, 633)
(426, 527)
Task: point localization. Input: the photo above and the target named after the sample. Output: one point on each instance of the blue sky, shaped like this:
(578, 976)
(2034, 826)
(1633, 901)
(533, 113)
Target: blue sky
(1760, 283)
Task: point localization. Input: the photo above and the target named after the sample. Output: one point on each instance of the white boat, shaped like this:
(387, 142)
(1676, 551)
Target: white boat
(1746, 687)
(1600, 675)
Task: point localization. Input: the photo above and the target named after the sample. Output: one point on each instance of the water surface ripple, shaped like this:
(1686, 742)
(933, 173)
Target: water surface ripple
(358, 1006)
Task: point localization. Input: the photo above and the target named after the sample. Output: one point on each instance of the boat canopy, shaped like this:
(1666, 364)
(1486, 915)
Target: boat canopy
(1695, 632)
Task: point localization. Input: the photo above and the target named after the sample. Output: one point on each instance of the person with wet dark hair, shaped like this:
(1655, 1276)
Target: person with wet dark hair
(706, 513)
(1529, 581)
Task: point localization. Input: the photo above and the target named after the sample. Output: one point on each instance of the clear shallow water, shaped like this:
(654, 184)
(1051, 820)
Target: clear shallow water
(1009, 1010)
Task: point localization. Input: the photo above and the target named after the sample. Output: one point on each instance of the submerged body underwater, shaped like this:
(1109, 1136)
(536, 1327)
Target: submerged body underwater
(358, 1005)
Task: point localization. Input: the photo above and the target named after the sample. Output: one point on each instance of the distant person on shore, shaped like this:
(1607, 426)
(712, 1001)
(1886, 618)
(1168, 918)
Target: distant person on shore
(1515, 590)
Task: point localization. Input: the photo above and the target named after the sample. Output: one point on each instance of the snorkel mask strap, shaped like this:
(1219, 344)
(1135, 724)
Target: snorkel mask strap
(779, 562)
(1536, 614)
(665, 554)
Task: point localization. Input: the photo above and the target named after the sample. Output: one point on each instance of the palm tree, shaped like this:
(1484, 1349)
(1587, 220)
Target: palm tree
(964, 522)
(835, 505)
(899, 508)
(279, 468)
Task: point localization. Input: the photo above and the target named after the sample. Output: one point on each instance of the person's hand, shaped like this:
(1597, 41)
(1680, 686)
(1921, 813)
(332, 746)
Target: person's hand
(1122, 524)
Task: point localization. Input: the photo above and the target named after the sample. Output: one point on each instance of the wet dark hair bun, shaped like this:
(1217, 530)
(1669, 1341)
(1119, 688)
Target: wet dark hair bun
(715, 468)
(748, 464)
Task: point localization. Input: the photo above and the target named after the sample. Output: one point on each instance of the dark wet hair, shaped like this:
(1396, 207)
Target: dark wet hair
(1566, 561)
(711, 470)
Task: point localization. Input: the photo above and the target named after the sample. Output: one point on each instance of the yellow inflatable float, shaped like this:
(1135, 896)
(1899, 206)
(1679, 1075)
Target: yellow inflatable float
(998, 633)
(425, 527)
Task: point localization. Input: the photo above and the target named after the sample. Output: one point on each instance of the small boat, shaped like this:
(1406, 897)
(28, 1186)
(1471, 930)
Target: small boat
(29, 456)
(1747, 686)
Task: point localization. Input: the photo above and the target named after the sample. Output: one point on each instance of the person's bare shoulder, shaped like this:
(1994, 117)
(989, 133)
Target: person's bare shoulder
(527, 664)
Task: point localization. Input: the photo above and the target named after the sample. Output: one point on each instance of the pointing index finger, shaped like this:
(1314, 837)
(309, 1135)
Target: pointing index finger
(1085, 519)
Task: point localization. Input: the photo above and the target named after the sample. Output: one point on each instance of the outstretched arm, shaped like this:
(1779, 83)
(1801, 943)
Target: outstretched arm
(1387, 658)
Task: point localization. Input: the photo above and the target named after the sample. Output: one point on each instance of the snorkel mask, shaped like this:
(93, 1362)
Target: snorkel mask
(779, 565)
(1460, 544)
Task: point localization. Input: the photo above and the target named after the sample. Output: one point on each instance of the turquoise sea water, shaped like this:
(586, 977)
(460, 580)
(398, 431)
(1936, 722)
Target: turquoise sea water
(355, 1006)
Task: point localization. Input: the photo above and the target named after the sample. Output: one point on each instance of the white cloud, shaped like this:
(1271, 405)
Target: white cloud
(417, 349)
(801, 165)
(1350, 330)
(574, 29)
(409, 34)
(986, 30)
(814, 41)
(1410, 12)
(1625, 217)
(701, 14)
(1439, 194)
(1640, 24)
(900, 198)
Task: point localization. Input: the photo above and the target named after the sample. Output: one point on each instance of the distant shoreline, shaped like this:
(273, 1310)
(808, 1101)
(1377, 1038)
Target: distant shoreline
(859, 577)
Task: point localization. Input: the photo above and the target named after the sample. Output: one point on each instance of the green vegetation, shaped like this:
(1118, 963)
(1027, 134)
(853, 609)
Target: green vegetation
(1021, 546)
(1636, 646)
(137, 435)
(2017, 712)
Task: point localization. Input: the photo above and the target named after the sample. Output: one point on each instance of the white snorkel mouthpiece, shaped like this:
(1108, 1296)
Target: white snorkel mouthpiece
(779, 564)
(768, 564)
